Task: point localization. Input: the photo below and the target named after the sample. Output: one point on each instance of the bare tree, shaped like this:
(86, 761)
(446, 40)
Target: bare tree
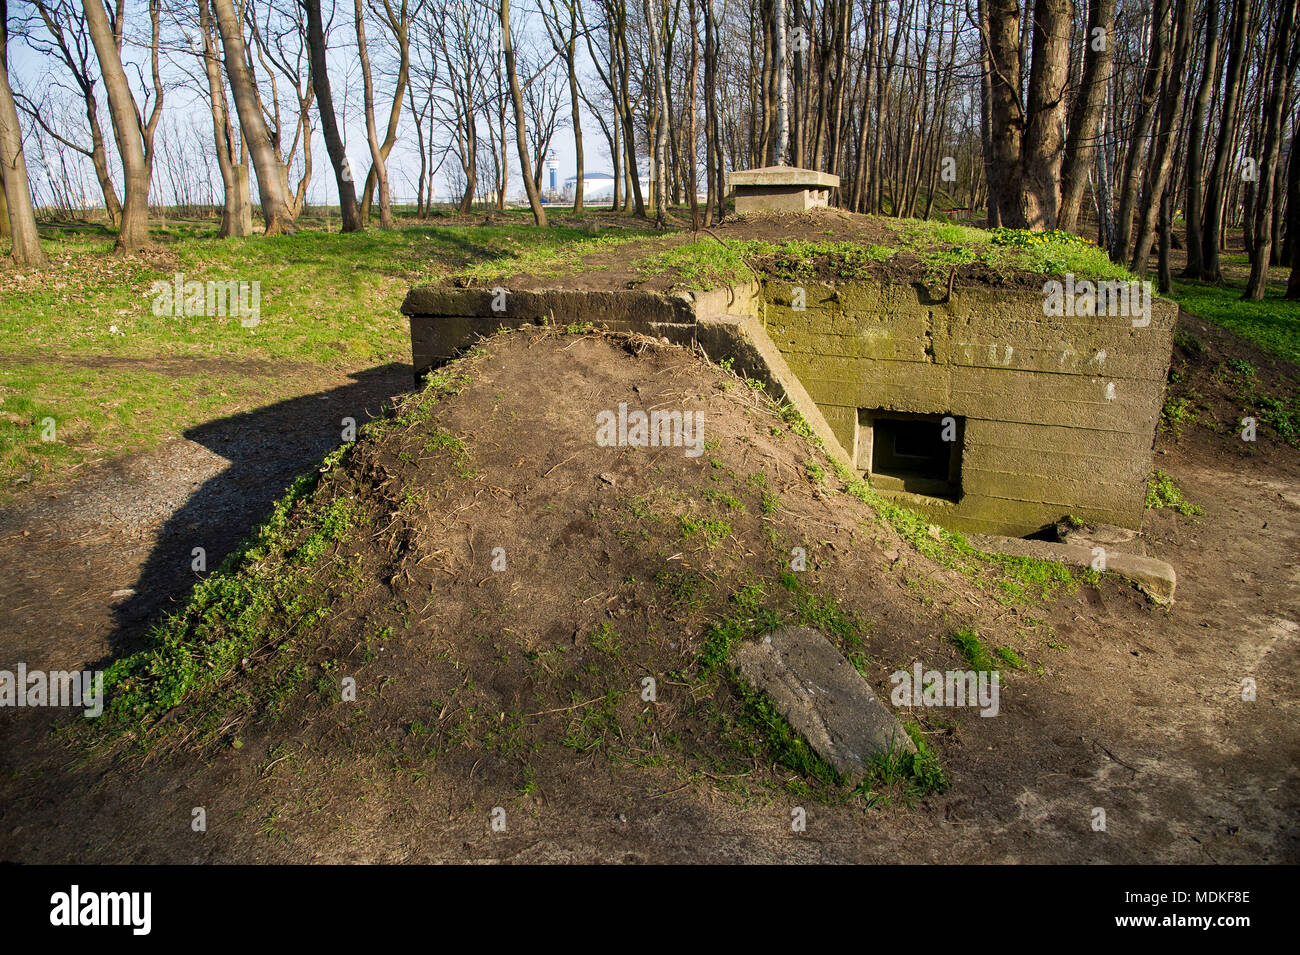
(65, 26)
(1195, 172)
(271, 185)
(1162, 154)
(397, 21)
(1211, 218)
(232, 161)
(1285, 58)
(26, 249)
(516, 96)
(348, 210)
(659, 165)
(379, 165)
(133, 134)
(564, 39)
(1085, 117)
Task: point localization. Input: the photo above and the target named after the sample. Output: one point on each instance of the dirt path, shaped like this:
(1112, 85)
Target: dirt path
(1141, 716)
(91, 562)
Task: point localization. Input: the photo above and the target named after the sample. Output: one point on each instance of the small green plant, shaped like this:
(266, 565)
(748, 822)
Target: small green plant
(1176, 413)
(1010, 658)
(713, 531)
(605, 639)
(1282, 415)
(1163, 492)
(974, 650)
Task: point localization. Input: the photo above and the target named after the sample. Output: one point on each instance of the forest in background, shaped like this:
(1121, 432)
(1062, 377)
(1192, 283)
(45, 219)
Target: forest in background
(1155, 125)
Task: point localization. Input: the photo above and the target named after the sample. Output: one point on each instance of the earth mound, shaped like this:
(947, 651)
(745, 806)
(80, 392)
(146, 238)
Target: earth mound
(492, 597)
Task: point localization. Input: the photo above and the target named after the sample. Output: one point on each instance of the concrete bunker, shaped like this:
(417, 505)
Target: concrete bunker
(981, 409)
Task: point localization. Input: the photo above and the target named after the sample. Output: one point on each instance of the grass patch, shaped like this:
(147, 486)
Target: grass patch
(554, 251)
(713, 531)
(1272, 323)
(1163, 492)
(128, 378)
(977, 654)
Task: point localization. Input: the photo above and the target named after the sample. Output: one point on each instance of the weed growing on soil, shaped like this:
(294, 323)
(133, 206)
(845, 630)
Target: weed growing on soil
(974, 650)
(1176, 413)
(917, 774)
(1163, 492)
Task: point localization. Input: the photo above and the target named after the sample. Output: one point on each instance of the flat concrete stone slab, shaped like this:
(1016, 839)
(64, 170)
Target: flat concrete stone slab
(1091, 534)
(784, 176)
(823, 697)
(1153, 577)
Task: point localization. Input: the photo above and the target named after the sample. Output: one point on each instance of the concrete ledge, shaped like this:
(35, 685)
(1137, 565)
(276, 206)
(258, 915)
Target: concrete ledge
(730, 326)
(1153, 577)
(823, 697)
(784, 176)
(561, 306)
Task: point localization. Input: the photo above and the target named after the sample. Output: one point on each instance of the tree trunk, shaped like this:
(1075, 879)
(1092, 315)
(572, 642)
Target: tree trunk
(1171, 110)
(629, 124)
(781, 140)
(236, 210)
(1291, 244)
(276, 209)
(26, 251)
(377, 163)
(1040, 158)
(136, 167)
(4, 204)
(1212, 217)
(320, 79)
(517, 97)
(570, 62)
(1146, 112)
(714, 207)
(1284, 67)
(1006, 118)
(1196, 144)
(398, 23)
(1085, 117)
(661, 132)
(692, 172)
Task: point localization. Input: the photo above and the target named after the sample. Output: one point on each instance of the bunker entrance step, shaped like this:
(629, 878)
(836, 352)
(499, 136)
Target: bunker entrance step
(916, 453)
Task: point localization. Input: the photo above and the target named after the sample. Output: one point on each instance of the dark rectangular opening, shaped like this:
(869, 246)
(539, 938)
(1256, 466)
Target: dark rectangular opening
(917, 453)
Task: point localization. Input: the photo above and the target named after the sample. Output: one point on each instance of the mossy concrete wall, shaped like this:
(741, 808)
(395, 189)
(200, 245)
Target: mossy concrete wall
(1060, 413)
